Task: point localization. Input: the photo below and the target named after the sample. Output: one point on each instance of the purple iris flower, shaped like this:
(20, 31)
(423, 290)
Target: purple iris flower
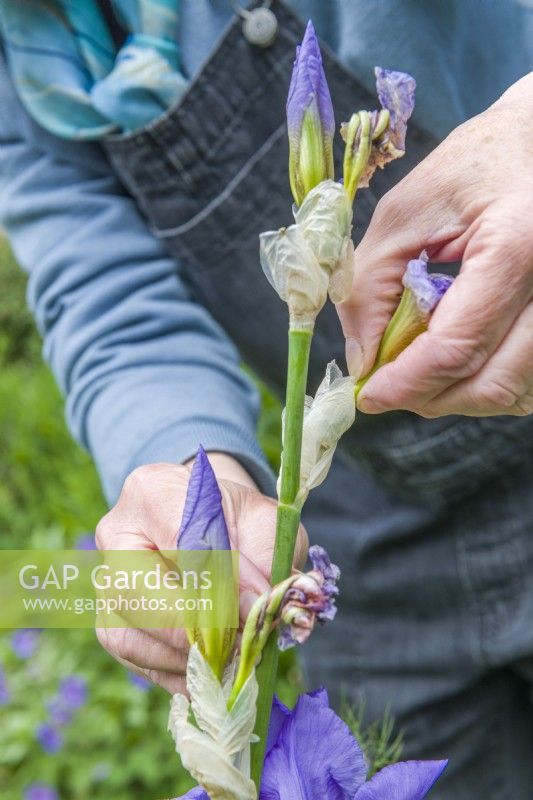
(24, 642)
(311, 753)
(396, 92)
(49, 737)
(40, 791)
(310, 119)
(428, 289)
(203, 526)
(4, 690)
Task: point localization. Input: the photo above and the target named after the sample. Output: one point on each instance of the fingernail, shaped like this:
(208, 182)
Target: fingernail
(368, 405)
(246, 601)
(354, 357)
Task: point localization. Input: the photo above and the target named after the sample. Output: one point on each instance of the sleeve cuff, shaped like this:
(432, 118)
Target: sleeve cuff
(175, 444)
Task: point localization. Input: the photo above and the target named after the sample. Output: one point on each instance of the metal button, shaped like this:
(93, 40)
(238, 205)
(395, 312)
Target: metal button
(260, 27)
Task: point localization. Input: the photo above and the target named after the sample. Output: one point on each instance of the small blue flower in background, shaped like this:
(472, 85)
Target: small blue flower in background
(139, 682)
(73, 691)
(85, 541)
(71, 695)
(4, 690)
(24, 642)
(49, 737)
(40, 791)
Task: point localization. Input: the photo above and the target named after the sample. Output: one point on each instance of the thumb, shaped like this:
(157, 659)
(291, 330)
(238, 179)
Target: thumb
(407, 220)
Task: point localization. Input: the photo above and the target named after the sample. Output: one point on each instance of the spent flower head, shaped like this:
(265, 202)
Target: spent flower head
(373, 138)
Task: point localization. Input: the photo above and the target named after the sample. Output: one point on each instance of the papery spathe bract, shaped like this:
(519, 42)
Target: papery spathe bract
(215, 751)
(326, 417)
(313, 258)
(293, 270)
(326, 220)
(310, 119)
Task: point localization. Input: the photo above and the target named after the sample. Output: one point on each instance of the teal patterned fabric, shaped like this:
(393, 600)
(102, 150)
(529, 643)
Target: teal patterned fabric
(69, 74)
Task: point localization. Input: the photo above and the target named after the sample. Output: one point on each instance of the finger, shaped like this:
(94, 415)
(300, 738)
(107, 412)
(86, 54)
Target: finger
(141, 648)
(476, 313)
(174, 684)
(416, 214)
(503, 386)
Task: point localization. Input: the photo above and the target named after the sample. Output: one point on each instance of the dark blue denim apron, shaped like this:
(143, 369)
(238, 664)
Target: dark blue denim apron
(428, 518)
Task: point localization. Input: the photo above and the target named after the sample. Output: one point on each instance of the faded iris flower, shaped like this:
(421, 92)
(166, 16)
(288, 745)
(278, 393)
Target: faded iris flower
(426, 289)
(311, 754)
(24, 642)
(422, 293)
(203, 526)
(396, 92)
(40, 791)
(294, 605)
(311, 597)
(310, 120)
(373, 138)
(49, 737)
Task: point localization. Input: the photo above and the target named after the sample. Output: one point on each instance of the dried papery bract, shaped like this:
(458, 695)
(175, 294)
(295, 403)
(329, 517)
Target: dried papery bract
(327, 416)
(216, 749)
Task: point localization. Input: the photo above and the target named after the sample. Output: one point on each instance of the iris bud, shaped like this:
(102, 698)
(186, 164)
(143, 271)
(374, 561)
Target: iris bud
(310, 120)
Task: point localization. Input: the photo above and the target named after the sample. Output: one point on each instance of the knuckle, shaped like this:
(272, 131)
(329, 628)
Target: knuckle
(459, 359)
(493, 394)
(105, 531)
(139, 478)
(388, 207)
(123, 645)
(524, 405)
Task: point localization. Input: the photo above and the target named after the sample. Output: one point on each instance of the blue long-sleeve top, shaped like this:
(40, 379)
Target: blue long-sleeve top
(146, 372)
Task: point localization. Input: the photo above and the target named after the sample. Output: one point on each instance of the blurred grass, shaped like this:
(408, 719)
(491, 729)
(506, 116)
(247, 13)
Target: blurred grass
(117, 745)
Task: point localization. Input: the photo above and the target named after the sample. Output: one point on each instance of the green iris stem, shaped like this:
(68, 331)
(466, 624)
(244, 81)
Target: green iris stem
(288, 522)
